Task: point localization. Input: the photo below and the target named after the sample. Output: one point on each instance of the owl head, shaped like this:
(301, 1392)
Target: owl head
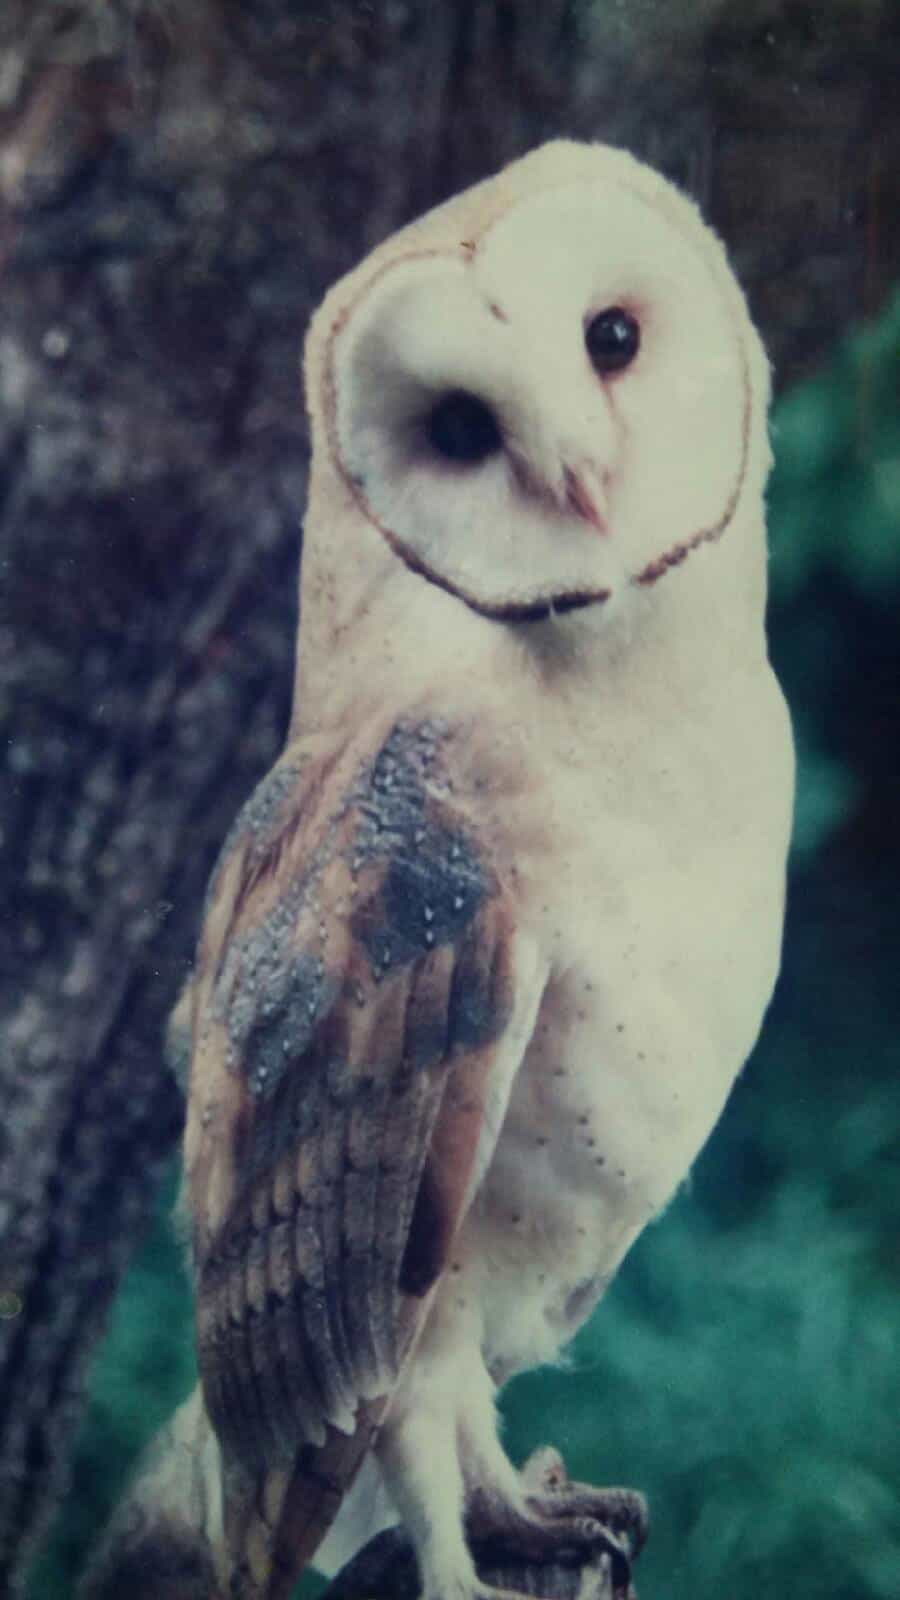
(542, 396)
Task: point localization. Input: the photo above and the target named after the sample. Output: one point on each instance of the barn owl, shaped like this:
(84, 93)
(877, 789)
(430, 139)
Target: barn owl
(485, 951)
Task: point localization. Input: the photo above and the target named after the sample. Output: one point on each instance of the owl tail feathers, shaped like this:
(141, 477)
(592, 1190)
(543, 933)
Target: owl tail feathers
(274, 1525)
(165, 1538)
(196, 1526)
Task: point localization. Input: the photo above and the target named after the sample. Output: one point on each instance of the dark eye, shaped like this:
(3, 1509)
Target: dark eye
(613, 338)
(462, 428)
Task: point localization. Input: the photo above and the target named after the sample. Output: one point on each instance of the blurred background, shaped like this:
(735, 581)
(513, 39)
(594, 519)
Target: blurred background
(178, 187)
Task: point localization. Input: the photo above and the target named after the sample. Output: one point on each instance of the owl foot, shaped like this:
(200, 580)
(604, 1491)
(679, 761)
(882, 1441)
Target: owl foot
(557, 1521)
(551, 1492)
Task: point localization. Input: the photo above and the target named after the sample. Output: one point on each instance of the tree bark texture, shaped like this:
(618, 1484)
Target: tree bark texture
(179, 184)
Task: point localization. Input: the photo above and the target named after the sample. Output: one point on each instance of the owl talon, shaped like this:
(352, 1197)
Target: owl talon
(558, 1521)
(621, 1512)
(547, 1539)
(551, 1493)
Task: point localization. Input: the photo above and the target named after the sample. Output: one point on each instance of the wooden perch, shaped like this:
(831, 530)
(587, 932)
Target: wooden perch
(385, 1569)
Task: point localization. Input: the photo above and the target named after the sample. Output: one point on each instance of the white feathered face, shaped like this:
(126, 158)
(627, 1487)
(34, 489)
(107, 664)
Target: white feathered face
(554, 412)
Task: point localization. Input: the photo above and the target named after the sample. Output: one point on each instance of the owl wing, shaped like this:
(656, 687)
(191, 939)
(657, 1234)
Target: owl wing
(361, 1006)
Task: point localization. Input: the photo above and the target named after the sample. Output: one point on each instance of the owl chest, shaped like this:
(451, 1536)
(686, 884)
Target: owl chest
(661, 924)
(625, 1076)
(655, 892)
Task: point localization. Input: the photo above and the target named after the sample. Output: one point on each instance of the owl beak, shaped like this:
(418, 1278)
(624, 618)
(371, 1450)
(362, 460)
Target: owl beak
(586, 496)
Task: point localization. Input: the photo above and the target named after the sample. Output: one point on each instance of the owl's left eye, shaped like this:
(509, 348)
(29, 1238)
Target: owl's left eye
(462, 428)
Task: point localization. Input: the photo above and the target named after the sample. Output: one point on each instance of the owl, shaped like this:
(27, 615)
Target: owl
(487, 948)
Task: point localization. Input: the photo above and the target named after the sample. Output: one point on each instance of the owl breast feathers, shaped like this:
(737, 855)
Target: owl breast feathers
(485, 951)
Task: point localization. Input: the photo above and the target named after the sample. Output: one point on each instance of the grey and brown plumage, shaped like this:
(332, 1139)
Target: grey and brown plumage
(359, 993)
(486, 950)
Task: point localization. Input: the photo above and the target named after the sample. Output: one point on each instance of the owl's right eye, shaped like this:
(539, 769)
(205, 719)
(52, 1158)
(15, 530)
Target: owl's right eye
(613, 338)
(462, 428)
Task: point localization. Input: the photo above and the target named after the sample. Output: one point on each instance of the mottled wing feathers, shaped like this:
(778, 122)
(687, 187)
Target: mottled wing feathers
(355, 978)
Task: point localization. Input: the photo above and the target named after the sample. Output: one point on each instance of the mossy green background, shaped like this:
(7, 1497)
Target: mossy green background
(743, 1369)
